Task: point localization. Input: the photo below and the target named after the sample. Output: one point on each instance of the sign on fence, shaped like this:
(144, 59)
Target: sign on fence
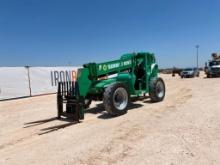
(45, 79)
(30, 81)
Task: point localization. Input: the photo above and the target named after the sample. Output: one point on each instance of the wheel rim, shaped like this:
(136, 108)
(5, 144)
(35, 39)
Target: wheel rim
(120, 98)
(160, 89)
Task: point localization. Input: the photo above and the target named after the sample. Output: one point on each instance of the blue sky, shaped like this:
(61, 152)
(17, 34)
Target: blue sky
(73, 32)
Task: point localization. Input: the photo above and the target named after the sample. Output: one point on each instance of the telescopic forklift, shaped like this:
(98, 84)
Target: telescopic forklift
(113, 82)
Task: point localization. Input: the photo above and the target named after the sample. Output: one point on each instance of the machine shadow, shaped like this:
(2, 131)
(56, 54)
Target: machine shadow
(38, 122)
(56, 128)
(99, 109)
(105, 115)
(50, 129)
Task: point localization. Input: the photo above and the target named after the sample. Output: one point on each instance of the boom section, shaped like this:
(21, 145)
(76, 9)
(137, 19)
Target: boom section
(97, 70)
(113, 66)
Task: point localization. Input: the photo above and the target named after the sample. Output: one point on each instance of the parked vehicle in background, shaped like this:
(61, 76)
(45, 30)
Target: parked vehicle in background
(212, 68)
(189, 73)
(176, 71)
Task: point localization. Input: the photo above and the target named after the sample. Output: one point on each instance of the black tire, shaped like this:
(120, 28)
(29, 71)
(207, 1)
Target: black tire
(157, 89)
(116, 107)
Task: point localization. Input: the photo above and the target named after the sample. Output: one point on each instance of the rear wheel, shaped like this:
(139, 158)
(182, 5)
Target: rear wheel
(116, 99)
(157, 89)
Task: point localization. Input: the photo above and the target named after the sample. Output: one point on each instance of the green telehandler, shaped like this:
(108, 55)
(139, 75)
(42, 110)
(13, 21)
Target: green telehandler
(113, 82)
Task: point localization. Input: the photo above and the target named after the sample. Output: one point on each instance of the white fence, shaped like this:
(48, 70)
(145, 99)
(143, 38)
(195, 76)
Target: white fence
(30, 81)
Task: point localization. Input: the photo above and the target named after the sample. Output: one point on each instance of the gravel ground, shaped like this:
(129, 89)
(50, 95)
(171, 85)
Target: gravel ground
(183, 129)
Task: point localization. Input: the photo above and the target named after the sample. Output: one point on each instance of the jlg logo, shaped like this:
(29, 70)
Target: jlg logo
(103, 67)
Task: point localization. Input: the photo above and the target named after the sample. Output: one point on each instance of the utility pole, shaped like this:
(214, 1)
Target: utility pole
(29, 79)
(197, 56)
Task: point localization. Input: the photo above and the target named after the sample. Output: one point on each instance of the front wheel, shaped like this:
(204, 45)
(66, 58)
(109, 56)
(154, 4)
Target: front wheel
(116, 99)
(157, 89)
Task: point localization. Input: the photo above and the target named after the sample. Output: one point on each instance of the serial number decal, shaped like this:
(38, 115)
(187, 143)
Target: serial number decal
(113, 66)
(106, 67)
(127, 62)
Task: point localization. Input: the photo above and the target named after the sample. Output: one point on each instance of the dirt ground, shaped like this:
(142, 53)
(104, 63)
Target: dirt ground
(183, 129)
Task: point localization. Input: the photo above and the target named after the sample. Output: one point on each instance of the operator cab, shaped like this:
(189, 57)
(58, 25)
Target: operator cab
(140, 72)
